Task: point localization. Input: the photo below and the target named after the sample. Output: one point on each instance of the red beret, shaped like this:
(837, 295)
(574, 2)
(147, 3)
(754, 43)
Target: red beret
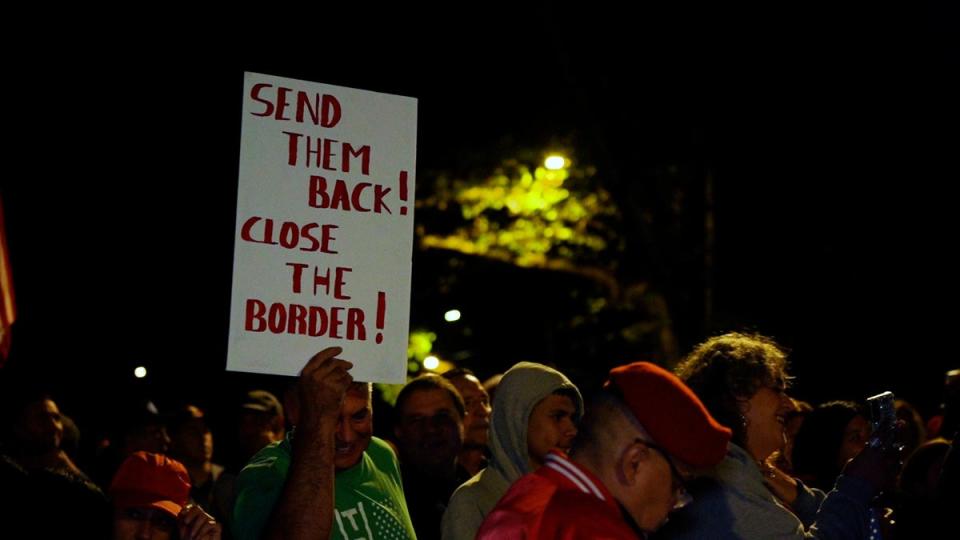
(671, 413)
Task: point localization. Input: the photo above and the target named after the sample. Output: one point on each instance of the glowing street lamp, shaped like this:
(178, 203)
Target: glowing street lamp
(555, 162)
(452, 316)
(140, 372)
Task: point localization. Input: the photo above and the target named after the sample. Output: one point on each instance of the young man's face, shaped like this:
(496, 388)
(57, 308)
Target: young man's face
(551, 425)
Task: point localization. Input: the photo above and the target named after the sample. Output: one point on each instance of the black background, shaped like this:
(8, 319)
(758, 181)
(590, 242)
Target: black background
(830, 134)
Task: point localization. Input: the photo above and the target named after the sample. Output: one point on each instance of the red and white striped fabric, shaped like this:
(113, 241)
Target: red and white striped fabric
(574, 474)
(559, 501)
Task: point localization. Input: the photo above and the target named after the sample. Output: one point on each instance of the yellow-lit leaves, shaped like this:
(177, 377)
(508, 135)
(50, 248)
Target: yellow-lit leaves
(420, 345)
(524, 216)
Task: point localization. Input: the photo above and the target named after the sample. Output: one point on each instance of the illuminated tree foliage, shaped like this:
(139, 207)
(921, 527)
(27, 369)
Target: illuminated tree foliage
(420, 345)
(525, 215)
(551, 245)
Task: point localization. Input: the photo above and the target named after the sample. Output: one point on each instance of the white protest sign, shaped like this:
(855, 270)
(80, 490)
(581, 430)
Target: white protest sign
(324, 234)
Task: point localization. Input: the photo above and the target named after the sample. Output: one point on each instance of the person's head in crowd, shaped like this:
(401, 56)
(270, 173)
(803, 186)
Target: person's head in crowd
(476, 421)
(354, 422)
(36, 425)
(429, 425)
(191, 441)
(553, 424)
(912, 430)
(143, 429)
(793, 419)
(539, 409)
(742, 380)
(33, 433)
(631, 439)
(355, 426)
(260, 422)
(796, 415)
(831, 435)
(921, 471)
(928, 497)
(148, 492)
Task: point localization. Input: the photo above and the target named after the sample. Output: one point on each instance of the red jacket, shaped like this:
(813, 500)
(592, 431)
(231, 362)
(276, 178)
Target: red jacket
(557, 501)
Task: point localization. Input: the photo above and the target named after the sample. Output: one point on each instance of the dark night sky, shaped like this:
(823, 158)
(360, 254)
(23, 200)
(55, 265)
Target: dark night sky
(832, 137)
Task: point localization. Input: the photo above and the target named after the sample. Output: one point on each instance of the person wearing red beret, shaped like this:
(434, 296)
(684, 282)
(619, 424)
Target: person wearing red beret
(642, 437)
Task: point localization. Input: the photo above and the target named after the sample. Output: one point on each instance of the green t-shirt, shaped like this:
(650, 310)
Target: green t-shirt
(369, 496)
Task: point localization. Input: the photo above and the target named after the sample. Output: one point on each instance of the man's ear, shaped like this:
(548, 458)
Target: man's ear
(632, 459)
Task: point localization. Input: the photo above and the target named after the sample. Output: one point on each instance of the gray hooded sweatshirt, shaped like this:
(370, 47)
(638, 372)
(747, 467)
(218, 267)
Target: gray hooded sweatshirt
(520, 390)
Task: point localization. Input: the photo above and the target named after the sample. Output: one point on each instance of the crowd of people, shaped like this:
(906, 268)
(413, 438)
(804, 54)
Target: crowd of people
(717, 448)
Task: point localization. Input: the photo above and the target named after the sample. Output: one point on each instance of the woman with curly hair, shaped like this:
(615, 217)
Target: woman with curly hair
(742, 379)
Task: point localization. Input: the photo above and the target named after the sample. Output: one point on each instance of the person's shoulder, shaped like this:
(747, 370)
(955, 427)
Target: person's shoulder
(380, 450)
(464, 513)
(531, 491)
(258, 487)
(273, 458)
(474, 482)
(565, 501)
(485, 485)
(466, 492)
(574, 514)
(534, 505)
(516, 514)
(714, 496)
(273, 451)
(380, 456)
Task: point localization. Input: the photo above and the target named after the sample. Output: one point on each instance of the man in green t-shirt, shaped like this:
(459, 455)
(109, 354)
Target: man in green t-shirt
(330, 478)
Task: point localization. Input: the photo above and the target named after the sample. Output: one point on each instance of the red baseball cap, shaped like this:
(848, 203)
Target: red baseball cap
(671, 413)
(151, 480)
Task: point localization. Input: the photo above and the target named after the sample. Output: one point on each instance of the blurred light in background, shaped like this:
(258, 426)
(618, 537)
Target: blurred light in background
(140, 372)
(452, 316)
(431, 362)
(555, 162)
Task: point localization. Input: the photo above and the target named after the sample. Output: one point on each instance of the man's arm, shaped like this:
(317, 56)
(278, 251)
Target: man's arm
(306, 506)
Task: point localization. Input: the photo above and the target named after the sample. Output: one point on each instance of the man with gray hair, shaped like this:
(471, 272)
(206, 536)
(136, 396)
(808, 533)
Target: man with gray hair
(330, 477)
